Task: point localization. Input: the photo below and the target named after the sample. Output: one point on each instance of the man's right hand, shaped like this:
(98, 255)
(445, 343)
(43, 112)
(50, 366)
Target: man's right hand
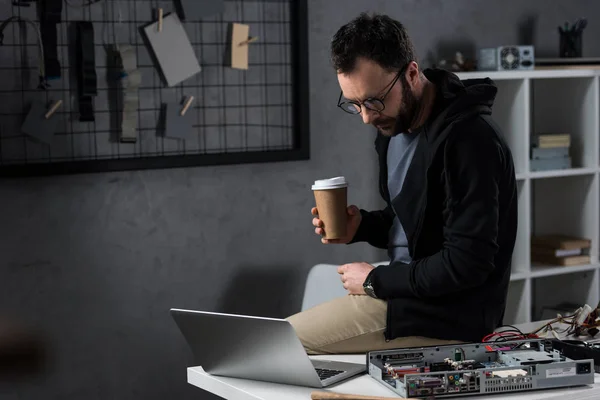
(354, 218)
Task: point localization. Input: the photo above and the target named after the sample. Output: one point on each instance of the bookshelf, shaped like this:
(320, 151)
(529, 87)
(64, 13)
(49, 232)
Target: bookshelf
(557, 201)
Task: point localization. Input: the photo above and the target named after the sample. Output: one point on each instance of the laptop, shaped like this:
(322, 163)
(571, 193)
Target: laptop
(264, 349)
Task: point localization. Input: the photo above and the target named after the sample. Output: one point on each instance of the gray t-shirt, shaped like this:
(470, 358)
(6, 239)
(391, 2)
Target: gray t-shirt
(399, 156)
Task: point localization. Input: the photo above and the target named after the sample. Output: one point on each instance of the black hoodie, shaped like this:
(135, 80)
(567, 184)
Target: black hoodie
(458, 207)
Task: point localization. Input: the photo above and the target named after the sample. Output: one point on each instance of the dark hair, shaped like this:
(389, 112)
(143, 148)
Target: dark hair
(377, 37)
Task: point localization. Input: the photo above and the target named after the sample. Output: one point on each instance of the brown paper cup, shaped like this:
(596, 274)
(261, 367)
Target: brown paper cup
(331, 205)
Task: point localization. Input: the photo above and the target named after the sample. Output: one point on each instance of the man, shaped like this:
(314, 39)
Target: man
(448, 179)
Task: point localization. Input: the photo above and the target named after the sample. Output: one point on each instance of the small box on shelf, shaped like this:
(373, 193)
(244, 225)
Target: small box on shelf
(550, 152)
(560, 250)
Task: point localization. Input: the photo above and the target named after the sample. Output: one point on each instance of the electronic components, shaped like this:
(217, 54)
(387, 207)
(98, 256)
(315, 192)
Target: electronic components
(578, 350)
(458, 356)
(399, 372)
(477, 368)
(583, 314)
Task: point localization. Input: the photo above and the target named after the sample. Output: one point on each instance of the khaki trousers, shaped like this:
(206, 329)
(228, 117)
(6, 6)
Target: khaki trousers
(350, 324)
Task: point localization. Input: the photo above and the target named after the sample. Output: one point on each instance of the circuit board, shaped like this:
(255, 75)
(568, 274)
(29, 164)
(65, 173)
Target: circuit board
(477, 368)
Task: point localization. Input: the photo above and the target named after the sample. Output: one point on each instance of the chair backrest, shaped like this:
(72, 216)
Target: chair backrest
(323, 284)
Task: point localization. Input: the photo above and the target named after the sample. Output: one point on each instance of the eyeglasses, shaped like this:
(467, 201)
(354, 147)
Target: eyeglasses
(372, 103)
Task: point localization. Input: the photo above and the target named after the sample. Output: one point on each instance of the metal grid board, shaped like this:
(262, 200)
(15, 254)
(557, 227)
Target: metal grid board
(239, 116)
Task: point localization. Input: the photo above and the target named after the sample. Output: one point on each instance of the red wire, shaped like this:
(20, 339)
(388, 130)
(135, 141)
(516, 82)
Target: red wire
(514, 335)
(501, 334)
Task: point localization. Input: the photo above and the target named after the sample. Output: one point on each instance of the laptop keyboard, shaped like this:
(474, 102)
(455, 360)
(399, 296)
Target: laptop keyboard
(327, 373)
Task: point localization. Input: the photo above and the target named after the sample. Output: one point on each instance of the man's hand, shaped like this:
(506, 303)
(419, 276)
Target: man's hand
(353, 276)
(354, 218)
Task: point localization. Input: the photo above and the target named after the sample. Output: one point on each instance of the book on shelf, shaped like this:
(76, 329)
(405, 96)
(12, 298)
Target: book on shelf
(550, 152)
(561, 261)
(562, 242)
(548, 164)
(560, 250)
(550, 252)
(551, 140)
(538, 153)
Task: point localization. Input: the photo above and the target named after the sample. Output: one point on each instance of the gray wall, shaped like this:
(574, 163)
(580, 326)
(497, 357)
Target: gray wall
(96, 261)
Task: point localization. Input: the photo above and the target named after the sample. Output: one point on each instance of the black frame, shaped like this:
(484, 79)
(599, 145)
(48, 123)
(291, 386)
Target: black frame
(300, 120)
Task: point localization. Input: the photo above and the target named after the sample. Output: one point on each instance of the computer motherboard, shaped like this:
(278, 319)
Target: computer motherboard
(477, 368)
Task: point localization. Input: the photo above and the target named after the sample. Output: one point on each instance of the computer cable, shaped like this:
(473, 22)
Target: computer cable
(41, 68)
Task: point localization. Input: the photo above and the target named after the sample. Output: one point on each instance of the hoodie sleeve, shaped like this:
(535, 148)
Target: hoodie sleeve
(374, 227)
(474, 163)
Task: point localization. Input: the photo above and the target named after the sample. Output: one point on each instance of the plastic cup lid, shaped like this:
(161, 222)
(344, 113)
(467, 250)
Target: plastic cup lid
(331, 183)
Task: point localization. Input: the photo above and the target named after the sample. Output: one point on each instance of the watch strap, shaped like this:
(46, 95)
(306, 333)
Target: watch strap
(368, 285)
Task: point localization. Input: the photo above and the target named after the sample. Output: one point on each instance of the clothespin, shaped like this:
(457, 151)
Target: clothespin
(160, 19)
(239, 45)
(248, 41)
(187, 104)
(53, 109)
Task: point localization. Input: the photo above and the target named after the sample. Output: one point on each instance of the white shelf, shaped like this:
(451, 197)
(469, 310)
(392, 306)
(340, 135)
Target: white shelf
(541, 271)
(568, 105)
(559, 173)
(518, 276)
(556, 173)
(534, 74)
(559, 201)
(521, 254)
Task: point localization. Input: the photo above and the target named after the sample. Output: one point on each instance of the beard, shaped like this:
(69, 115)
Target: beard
(407, 114)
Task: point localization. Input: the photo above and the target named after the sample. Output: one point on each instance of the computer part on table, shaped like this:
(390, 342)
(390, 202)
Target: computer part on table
(477, 368)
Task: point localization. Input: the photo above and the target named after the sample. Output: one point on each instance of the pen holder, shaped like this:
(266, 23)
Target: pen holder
(570, 44)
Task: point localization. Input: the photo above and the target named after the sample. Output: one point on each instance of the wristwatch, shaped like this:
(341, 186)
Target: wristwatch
(368, 285)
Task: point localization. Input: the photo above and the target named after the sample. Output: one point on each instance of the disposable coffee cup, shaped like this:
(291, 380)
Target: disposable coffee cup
(331, 196)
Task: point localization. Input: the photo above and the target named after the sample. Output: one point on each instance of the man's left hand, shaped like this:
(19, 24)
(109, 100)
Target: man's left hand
(353, 276)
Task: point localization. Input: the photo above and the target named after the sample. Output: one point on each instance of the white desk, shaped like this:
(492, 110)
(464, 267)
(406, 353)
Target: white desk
(242, 389)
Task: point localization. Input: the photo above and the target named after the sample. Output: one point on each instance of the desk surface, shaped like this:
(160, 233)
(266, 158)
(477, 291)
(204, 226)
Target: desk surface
(242, 389)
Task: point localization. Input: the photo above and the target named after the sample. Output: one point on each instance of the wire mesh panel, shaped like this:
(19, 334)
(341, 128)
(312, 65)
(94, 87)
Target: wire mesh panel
(254, 115)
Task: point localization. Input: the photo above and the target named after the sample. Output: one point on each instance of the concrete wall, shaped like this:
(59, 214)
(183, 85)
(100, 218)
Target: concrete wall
(96, 261)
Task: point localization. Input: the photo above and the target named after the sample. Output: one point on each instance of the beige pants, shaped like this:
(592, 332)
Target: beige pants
(350, 324)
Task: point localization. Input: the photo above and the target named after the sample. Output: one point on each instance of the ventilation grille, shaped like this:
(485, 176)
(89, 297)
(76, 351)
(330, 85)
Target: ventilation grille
(499, 386)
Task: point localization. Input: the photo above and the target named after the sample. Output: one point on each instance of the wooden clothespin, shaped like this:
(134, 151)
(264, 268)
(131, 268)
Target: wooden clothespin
(53, 109)
(160, 19)
(248, 41)
(187, 104)
(239, 45)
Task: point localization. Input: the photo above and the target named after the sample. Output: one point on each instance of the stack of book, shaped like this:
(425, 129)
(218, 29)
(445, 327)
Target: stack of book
(550, 151)
(560, 250)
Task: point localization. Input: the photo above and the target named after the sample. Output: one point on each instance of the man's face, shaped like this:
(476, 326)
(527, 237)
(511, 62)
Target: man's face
(369, 80)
